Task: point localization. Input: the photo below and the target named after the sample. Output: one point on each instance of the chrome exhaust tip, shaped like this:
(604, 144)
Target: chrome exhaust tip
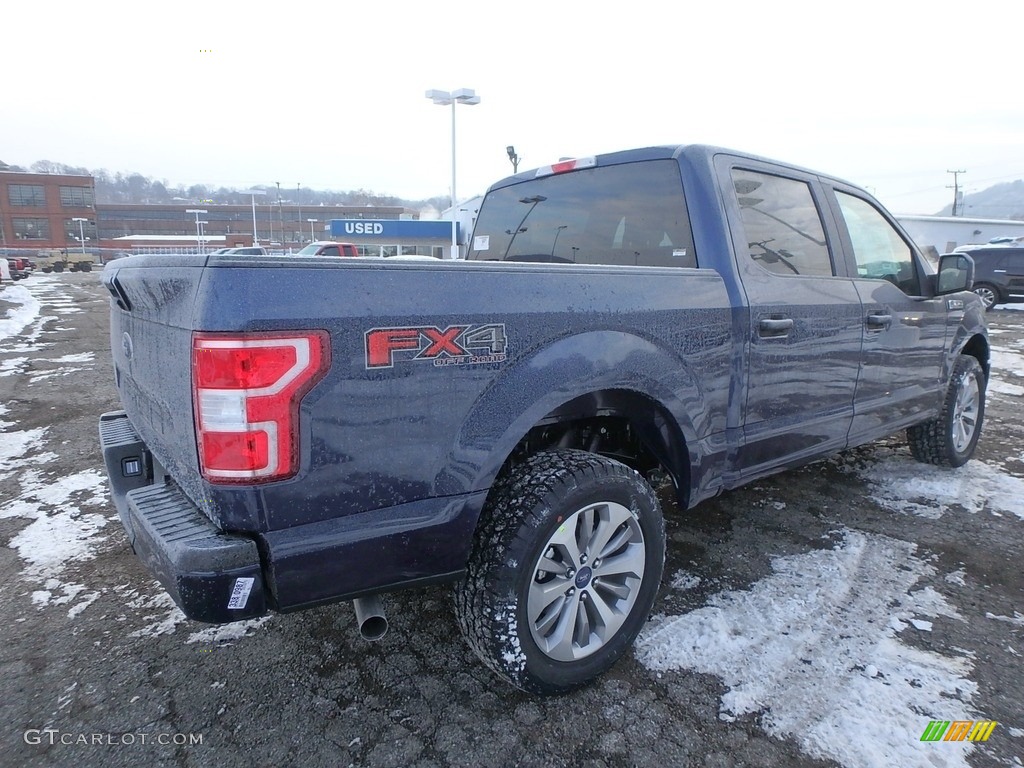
(373, 624)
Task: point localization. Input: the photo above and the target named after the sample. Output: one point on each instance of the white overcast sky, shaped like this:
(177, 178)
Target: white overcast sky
(889, 95)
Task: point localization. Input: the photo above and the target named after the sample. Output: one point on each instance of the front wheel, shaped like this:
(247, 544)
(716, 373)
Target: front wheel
(950, 438)
(564, 570)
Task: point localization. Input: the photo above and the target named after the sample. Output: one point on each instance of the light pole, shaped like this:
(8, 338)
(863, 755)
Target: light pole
(312, 237)
(199, 233)
(253, 193)
(558, 231)
(202, 235)
(81, 231)
(513, 158)
(444, 98)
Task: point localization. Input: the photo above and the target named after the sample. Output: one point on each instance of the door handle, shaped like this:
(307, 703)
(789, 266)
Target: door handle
(879, 321)
(773, 326)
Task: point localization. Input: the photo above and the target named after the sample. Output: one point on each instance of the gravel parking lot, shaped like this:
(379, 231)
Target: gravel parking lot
(823, 617)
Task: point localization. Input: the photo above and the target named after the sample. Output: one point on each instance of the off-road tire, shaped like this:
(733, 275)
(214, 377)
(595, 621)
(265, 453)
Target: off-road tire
(516, 536)
(940, 441)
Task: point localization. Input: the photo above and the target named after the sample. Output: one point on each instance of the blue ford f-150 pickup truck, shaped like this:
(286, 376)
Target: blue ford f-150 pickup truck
(298, 431)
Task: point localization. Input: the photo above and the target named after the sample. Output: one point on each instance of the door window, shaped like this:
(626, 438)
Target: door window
(879, 250)
(781, 224)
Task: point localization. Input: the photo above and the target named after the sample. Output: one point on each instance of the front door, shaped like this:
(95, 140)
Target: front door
(904, 332)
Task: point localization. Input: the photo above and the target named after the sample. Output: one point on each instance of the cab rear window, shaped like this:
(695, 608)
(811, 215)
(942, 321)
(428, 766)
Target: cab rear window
(632, 214)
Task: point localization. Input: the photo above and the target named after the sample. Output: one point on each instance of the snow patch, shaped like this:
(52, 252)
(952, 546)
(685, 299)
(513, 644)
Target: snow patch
(82, 357)
(1002, 388)
(812, 650)
(165, 615)
(21, 315)
(685, 580)
(226, 633)
(903, 485)
(957, 577)
(1006, 359)
(16, 445)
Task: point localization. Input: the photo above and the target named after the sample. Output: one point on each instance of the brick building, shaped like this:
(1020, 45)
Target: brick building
(38, 210)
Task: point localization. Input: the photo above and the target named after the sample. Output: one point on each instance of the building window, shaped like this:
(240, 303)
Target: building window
(23, 195)
(71, 228)
(31, 229)
(76, 197)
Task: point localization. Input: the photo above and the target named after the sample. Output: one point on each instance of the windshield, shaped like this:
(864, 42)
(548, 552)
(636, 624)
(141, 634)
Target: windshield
(631, 214)
(310, 250)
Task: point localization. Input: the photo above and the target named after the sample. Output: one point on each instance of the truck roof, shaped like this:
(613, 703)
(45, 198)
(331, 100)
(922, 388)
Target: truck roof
(694, 153)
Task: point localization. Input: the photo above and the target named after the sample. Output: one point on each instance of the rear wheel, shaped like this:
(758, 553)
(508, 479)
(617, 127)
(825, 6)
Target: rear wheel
(58, 267)
(950, 438)
(988, 294)
(564, 570)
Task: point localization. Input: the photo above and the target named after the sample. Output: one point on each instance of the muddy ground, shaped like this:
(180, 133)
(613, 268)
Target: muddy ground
(93, 651)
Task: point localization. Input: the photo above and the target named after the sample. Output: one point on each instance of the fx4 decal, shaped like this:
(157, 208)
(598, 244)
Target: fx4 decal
(454, 345)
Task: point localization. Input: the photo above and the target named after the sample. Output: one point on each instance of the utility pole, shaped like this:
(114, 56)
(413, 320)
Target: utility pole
(280, 212)
(956, 189)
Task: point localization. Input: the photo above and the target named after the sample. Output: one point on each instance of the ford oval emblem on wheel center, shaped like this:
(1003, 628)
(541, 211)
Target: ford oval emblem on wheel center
(583, 577)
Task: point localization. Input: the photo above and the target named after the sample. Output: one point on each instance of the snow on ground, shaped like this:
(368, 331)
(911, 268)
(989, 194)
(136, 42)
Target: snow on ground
(814, 653)
(25, 311)
(22, 324)
(902, 484)
(60, 531)
(225, 633)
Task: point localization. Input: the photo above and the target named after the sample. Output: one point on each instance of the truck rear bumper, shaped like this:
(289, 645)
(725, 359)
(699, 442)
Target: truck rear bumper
(212, 576)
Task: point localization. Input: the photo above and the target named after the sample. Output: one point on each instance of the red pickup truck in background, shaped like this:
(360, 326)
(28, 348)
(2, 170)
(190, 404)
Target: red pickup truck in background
(329, 248)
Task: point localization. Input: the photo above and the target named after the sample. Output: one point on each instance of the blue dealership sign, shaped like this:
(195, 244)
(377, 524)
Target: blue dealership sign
(391, 230)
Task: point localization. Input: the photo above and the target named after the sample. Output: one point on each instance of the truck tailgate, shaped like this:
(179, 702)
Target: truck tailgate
(153, 300)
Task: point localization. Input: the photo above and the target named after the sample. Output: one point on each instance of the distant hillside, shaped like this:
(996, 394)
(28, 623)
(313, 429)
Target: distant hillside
(136, 188)
(1003, 201)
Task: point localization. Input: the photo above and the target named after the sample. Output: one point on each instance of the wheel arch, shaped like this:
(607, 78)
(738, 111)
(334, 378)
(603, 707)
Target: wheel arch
(636, 386)
(977, 347)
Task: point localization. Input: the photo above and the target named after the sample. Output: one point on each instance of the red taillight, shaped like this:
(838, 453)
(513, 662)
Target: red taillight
(246, 390)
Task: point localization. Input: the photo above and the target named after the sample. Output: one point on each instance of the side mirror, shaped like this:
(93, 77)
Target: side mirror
(956, 273)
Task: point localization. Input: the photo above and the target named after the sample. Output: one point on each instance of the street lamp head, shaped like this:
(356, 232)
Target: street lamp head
(466, 96)
(460, 96)
(439, 97)
(511, 151)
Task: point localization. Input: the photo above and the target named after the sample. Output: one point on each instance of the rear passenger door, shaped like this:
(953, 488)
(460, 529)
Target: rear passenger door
(904, 331)
(1011, 266)
(804, 336)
